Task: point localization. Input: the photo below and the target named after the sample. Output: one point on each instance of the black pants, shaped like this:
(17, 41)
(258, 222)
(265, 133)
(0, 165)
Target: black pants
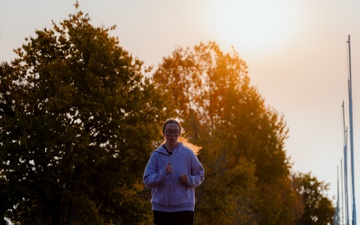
(174, 218)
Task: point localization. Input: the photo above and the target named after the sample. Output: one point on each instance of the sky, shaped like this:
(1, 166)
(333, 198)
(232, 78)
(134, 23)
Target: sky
(296, 52)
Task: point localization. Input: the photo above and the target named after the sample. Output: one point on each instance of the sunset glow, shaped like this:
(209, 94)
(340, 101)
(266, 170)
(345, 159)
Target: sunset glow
(254, 25)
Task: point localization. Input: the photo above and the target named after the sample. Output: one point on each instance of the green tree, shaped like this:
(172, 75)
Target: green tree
(240, 136)
(5, 203)
(318, 209)
(77, 121)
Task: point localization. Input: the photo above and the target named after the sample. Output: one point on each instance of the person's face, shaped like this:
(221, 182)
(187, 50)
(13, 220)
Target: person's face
(171, 133)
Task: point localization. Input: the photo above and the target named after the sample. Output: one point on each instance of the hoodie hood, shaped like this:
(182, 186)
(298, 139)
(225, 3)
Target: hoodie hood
(161, 149)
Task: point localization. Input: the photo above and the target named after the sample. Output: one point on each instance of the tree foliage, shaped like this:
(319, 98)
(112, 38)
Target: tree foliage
(318, 209)
(242, 139)
(76, 114)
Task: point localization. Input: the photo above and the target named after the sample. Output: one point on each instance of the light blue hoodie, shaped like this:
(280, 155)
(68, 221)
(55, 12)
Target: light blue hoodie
(169, 194)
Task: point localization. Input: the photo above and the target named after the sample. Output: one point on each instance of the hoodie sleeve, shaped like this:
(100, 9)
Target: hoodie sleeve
(152, 176)
(197, 172)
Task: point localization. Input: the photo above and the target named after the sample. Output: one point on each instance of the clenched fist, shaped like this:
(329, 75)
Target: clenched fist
(169, 168)
(184, 178)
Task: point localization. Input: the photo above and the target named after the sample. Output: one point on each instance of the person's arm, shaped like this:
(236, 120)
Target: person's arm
(152, 177)
(197, 175)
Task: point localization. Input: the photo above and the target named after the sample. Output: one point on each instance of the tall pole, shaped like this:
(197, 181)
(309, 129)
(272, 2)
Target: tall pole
(337, 210)
(351, 139)
(346, 172)
(342, 194)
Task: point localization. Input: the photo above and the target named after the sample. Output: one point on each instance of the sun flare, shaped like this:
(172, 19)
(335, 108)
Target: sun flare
(253, 25)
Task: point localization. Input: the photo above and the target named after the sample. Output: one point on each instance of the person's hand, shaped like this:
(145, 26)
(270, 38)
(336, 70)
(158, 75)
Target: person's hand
(184, 178)
(169, 168)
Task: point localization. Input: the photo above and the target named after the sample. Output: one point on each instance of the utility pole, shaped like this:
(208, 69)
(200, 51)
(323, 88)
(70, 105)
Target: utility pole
(346, 209)
(351, 138)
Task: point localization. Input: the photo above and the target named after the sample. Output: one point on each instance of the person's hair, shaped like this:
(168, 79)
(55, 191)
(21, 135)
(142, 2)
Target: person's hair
(196, 149)
(171, 121)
